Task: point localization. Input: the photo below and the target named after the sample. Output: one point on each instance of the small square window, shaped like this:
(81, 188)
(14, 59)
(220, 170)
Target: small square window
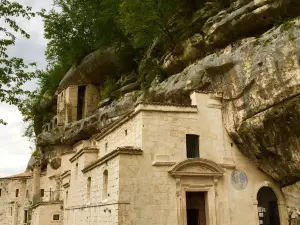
(56, 217)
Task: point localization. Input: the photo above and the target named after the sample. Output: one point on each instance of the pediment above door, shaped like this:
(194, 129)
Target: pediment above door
(197, 167)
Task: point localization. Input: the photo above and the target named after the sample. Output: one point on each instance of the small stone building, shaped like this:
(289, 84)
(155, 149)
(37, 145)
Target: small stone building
(159, 164)
(75, 103)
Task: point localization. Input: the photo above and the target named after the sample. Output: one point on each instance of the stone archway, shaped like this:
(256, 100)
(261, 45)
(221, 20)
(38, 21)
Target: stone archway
(278, 195)
(198, 176)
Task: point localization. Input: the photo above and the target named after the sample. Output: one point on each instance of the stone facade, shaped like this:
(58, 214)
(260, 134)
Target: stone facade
(136, 172)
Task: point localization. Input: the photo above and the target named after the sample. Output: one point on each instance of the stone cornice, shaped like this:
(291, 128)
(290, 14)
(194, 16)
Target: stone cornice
(65, 174)
(47, 203)
(66, 185)
(140, 107)
(128, 150)
(82, 151)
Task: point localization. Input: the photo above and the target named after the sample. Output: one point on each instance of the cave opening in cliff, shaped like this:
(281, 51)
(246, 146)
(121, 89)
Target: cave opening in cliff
(268, 212)
(195, 208)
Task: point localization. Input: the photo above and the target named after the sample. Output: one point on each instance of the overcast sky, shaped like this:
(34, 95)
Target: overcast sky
(14, 149)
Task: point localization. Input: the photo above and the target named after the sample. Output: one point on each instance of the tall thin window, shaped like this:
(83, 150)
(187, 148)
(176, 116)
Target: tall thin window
(11, 211)
(0, 192)
(105, 184)
(17, 192)
(80, 102)
(192, 146)
(42, 192)
(27, 193)
(25, 216)
(67, 196)
(76, 170)
(89, 189)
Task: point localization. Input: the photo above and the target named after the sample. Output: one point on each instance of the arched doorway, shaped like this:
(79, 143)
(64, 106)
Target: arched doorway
(268, 212)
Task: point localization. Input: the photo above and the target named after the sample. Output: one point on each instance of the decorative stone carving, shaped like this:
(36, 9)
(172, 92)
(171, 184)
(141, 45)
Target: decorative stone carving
(196, 167)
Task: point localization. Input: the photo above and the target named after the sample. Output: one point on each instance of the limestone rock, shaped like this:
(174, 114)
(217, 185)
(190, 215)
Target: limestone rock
(49, 138)
(228, 25)
(185, 53)
(93, 69)
(127, 88)
(55, 163)
(260, 82)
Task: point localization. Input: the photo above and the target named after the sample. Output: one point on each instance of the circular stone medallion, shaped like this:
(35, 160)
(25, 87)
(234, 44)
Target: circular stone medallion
(239, 179)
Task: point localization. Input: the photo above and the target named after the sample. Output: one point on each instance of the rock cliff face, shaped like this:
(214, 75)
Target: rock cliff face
(250, 54)
(260, 82)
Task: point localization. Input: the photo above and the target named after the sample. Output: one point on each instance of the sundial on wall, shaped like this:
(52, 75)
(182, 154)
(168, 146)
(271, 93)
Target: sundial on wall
(239, 179)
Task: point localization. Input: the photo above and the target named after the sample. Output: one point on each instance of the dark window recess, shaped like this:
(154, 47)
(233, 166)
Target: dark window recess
(42, 192)
(25, 216)
(56, 217)
(192, 146)
(0, 192)
(80, 101)
(17, 192)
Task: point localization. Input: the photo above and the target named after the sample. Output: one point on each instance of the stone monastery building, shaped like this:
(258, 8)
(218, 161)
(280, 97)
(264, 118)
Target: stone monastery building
(159, 164)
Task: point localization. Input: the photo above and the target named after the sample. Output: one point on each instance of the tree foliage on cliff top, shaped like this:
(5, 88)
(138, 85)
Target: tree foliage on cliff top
(13, 71)
(75, 28)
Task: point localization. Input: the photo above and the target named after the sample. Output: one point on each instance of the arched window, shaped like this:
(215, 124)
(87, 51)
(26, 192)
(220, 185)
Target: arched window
(89, 189)
(105, 184)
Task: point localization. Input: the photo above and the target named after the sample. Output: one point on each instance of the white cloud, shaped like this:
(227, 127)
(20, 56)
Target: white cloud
(14, 148)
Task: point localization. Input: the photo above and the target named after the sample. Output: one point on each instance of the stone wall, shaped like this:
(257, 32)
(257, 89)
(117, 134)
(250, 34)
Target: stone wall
(126, 134)
(98, 209)
(44, 212)
(12, 207)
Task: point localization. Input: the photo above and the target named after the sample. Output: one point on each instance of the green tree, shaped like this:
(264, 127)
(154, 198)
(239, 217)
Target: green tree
(80, 27)
(145, 20)
(13, 71)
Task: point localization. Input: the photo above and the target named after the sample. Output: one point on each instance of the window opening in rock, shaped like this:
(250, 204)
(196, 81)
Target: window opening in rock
(17, 192)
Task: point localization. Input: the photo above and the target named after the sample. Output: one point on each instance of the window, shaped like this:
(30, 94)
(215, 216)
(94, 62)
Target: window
(56, 217)
(42, 192)
(192, 146)
(27, 193)
(80, 102)
(67, 196)
(17, 193)
(11, 211)
(76, 170)
(126, 132)
(89, 189)
(0, 192)
(106, 146)
(25, 216)
(105, 184)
